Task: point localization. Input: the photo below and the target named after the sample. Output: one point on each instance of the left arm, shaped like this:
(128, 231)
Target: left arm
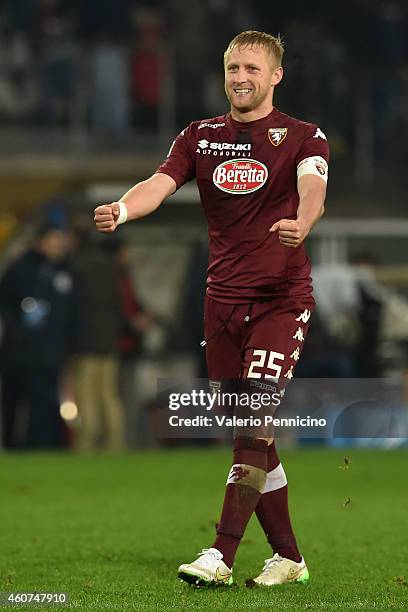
(312, 193)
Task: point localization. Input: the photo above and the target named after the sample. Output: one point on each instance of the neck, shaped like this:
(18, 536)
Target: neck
(253, 115)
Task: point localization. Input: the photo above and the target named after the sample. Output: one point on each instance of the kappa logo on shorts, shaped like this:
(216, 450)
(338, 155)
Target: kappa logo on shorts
(304, 317)
(277, 135)
(289, 373)
(295, 355)
(243, 176)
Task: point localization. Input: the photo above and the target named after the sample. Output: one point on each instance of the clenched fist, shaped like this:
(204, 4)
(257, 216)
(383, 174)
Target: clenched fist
(292, 232)
(106, 217)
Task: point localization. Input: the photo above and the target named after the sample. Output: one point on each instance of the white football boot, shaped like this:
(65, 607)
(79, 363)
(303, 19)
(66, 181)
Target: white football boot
(207, 570)
(280, 570)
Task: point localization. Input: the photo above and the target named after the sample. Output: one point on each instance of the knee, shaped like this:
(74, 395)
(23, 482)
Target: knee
(249, 475)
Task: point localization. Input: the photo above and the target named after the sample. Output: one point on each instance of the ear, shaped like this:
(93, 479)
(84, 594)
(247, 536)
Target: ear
(277, 76)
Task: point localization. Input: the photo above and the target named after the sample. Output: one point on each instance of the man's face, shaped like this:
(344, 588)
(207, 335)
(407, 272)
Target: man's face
(249, 76)
(54, 244)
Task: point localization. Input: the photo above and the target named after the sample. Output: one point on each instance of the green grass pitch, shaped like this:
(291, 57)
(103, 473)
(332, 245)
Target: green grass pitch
(111, 530)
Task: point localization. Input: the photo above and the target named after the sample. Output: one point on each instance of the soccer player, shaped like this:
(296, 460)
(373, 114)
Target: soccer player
(262, 180)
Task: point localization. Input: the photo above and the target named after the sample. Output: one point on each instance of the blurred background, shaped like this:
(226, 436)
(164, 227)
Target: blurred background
(92, 94)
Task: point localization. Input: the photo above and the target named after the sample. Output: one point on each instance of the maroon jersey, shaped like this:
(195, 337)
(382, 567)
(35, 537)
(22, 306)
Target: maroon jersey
(247, 178)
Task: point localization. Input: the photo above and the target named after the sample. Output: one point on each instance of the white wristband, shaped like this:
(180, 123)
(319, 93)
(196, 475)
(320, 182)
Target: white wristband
(122, 213)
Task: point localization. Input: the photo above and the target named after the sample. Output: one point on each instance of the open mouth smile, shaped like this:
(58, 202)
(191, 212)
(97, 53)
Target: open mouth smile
(241, 91)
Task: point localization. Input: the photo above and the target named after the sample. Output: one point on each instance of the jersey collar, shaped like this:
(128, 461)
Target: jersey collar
(252, 124)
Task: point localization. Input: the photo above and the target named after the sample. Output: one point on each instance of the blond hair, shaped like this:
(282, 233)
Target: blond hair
(273, 45)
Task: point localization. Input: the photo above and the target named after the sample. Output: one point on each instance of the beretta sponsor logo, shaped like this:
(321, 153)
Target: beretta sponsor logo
(240, 176)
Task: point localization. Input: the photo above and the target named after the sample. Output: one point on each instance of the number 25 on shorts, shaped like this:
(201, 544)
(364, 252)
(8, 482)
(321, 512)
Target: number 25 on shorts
(260, 363)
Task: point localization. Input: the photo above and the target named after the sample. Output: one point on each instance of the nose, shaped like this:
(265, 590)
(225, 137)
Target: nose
(240, 76)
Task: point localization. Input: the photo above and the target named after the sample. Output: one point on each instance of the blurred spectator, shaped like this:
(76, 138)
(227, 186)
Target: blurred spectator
(20, 14)
(38, 310)
(135, 321)
(329, 351)
(8, 224)
(147, 66)
(106, 27)
(105, 19)
(390, 41)
(99, 406)
(18, 91)
(191, 324)
(53, 38)
(109, 102)
(189, 48)
(357, 321)
(370, 314)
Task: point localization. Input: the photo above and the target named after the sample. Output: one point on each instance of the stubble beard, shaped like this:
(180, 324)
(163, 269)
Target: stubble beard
(256, 101)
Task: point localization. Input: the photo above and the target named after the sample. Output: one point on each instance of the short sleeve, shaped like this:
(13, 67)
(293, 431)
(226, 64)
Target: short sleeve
(180, 161)
(314, 144)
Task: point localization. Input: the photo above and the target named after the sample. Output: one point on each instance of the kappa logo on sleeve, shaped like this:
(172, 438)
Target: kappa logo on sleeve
(320, 134)
(277, 135)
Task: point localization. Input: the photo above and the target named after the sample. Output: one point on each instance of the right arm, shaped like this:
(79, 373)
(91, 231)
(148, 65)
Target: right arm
(141, 200)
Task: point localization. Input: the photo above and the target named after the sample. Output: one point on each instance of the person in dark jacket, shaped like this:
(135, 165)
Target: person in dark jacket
(97, 392)
(38, 312)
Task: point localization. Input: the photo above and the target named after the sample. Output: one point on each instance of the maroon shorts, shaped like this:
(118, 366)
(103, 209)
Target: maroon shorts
(259, 340)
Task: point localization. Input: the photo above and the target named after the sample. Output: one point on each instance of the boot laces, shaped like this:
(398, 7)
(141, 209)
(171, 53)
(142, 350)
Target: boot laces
(269, 562)
(208, 556)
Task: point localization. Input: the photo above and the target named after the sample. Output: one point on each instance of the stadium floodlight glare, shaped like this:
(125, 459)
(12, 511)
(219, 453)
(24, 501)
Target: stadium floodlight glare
(69, 411)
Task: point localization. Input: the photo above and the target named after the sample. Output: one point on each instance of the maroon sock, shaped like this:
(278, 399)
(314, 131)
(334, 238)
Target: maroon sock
(273, 514)
(243, 492)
